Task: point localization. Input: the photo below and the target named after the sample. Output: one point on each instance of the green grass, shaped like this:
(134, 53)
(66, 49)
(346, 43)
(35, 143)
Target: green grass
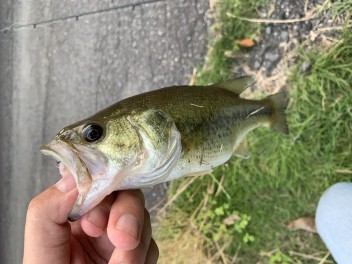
(286, 175)
(344, 8)
(225, 33)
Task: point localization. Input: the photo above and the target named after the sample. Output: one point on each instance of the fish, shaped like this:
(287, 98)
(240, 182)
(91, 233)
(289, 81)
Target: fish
(161, 135)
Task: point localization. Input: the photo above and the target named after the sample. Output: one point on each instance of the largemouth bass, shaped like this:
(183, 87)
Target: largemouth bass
(161, 135)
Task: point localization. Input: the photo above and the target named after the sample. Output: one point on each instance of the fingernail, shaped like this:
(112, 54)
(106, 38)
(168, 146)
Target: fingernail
(98, 217)
(66, 184)
(129, 224)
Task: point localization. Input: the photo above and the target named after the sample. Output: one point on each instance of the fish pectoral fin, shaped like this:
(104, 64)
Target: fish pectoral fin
(237, 85)
(241, 150)
(199, 173)
(162, 145)
(166, 164)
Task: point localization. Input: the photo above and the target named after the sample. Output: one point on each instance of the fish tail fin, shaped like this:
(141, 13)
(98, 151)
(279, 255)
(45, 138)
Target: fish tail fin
(279, 103)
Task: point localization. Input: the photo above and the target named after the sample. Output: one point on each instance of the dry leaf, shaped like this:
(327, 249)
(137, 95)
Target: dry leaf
(246, 43)
(231, 54)
(303, 223)
(231, 219)
(212, 4)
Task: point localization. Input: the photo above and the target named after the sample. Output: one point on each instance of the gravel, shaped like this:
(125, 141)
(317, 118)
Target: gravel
(277, 37)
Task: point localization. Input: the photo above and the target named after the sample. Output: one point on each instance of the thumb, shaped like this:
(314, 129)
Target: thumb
(47, 231)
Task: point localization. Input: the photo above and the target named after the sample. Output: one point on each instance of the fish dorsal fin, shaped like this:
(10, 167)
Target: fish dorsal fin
(241, 150)
(237, 85)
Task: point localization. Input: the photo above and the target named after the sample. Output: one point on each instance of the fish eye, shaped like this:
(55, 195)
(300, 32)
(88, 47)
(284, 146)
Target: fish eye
(92, 132)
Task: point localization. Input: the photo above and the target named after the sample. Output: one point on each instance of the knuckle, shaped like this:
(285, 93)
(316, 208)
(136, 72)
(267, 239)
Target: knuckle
(34, 206)
(37, 205)
(34, 211)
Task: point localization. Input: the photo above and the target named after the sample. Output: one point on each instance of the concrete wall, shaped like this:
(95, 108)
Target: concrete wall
(54, 75)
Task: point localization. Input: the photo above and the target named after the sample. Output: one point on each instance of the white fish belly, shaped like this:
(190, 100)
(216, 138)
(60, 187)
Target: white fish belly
(201, 167)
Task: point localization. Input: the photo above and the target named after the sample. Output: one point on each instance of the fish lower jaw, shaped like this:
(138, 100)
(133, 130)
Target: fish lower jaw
(78, 208)
(71, 165)
(83, 185)
(89, 196)
(75, 213)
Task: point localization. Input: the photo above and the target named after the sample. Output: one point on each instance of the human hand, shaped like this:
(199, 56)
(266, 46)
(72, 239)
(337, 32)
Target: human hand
(115, 231)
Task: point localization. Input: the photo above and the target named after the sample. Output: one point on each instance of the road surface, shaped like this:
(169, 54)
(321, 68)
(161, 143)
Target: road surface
(55, 74)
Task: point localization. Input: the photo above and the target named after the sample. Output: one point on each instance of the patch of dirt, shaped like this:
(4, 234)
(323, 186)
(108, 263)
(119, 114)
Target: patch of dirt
(287, 24)
(278, 38)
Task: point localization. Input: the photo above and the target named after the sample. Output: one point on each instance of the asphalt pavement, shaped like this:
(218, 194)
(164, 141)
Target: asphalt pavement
(53, 74)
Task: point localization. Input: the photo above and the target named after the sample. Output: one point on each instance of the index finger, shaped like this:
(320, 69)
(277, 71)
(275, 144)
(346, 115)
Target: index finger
(126, 219)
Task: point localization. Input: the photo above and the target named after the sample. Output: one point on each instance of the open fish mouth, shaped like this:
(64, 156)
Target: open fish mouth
(71, 159)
